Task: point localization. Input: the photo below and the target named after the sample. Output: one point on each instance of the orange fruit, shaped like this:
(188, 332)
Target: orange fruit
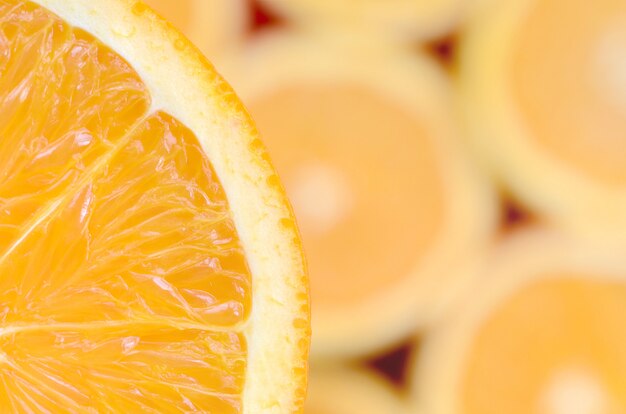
(408, 19)
(215, 26)
(543, 334)
(152, 260)
(547, 108)
(341, 390)
(392, 215)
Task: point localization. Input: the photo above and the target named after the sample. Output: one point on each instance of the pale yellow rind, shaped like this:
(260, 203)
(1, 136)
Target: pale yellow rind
(526, 258)
(340, 390)
(183, 84)
(569, 197)
(419, 87)
(401, 19)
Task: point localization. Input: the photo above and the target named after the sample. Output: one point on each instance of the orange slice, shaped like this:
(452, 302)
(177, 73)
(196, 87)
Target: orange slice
(151, 260)
(341, 390)
(547, 107)
(416, 19)
(215, 26)
(543, 334)
(391, 214)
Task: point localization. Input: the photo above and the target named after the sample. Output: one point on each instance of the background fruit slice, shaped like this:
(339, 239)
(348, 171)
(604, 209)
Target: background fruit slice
(546, 107)
(543, 335)
(215, 26)
(346, 390)
(402, 19)
(140, 281)
(388, 208)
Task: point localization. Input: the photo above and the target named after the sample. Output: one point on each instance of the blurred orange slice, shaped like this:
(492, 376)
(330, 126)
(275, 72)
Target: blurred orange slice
(346, 391)
(391, 214)
(543, 334)
(151, 260)
(547, 107)
(215, 26)
(408, 19)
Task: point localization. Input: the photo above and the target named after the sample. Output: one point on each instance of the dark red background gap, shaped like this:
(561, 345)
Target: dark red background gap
(394, 365)
(443, 49)
(262, 17)
(514, 215)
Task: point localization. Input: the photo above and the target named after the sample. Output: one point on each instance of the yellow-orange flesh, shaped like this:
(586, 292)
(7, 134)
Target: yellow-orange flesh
(361, 173)
(568, 79)
(555, 347)
(124, 285)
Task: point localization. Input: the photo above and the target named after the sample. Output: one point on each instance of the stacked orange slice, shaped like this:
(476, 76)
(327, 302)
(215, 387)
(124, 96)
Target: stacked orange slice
(392, 215)
(547, 107)
(543, 334)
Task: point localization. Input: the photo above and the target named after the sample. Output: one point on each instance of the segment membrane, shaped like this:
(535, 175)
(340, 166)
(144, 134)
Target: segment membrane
(123, 284)
(147, 236)
(121, 369)
(65, 101)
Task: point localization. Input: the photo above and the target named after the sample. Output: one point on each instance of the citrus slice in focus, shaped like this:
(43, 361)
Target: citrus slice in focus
(391, 213)
(543, 334)
(547, 107)
(346, 391)
(150, 261)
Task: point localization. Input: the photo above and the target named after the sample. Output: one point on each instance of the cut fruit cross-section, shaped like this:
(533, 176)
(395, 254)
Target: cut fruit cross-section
(543, 334)
(150, 260)
(547, 108)
(392, 216)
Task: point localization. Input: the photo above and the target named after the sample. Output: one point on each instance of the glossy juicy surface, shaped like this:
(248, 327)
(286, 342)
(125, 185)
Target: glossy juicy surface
(124, 286)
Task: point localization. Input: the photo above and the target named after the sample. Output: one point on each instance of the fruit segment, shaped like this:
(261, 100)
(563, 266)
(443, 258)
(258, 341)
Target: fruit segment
(66, 102)
(108, 368)
(147, 236)
(126, 286)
